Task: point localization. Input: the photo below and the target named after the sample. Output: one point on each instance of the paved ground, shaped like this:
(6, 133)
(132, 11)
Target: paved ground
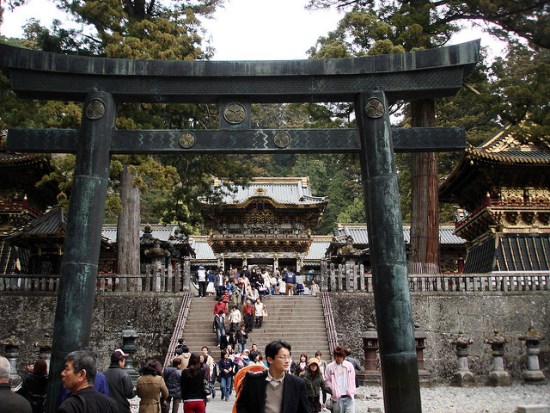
(441, 399)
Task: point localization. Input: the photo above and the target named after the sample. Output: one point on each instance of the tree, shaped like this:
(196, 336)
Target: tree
(372, 27)
(528, 19)
(142, 30)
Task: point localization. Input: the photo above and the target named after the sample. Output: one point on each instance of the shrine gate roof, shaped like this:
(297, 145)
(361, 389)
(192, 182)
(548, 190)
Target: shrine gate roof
(286, 191)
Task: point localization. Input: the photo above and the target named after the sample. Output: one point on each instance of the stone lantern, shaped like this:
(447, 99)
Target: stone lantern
(45, 349)
(462, 377)
(498, 376)
(158, 256)
(370, 349)
(533, 373)
(420, 339)
(129, 336)
(11, 350)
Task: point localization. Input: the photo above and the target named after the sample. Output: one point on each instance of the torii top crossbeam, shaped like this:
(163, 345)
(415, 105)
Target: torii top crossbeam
(406, 76)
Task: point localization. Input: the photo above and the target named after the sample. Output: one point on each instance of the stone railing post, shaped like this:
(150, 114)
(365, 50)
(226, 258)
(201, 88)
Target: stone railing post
(370, 349)
(498, 376)
(324, 275)
(533, 373)
(462, 377)
(186, 274)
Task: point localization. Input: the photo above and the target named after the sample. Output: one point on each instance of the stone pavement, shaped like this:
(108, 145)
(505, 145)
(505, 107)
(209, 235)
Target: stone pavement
(440, 399)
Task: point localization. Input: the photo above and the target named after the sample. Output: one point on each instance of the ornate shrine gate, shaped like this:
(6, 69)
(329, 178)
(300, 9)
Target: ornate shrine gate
(369, 82)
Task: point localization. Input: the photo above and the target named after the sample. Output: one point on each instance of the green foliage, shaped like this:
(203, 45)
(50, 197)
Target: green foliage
(506, 19)
(134, 30)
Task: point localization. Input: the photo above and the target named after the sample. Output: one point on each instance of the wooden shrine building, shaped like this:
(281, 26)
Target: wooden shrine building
(268, 222)
(21, 201)
(350, 246)
(503, 190)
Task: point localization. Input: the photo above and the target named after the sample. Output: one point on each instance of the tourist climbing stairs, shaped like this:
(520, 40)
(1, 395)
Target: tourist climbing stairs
(299, 320)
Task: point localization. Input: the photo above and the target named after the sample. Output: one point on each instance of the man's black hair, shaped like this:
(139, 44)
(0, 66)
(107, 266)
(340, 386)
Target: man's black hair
(273, 348)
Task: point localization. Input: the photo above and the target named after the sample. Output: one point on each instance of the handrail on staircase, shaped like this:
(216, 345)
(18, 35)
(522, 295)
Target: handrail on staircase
(329, 321)
(178, 328)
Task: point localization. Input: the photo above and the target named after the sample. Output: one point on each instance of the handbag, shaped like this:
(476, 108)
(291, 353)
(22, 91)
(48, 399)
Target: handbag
(206, 387)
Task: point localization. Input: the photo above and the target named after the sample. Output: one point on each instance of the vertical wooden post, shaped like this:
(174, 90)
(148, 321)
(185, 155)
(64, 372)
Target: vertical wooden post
(75, 299)
(387, 249)
(425, 199)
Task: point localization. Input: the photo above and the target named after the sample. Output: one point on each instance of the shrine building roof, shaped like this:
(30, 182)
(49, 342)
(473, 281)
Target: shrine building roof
(19, 160)
(285, 191)
(510, 252)
(50, 225)
(160, 232)
(510, 158)
(360, 235)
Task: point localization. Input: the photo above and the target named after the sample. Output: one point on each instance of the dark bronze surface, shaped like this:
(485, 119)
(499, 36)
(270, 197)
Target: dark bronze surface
(388, 261)
(424, 74)
(73, 315)
(237, 141)
(408, 76)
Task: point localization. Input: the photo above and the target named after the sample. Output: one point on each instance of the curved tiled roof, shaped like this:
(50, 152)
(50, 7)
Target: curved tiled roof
(502, 156)
(360, 234)
(9, 160)
(160, 232)
(203, 250)
(530, 154)
(52, 224)
(287, 191)
(507, 147)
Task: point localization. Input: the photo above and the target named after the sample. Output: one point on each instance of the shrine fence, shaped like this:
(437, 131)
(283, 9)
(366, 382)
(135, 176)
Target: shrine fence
(337, 279)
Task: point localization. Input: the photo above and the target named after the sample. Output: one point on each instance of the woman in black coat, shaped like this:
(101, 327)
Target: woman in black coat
(192, 386)
(33, 387)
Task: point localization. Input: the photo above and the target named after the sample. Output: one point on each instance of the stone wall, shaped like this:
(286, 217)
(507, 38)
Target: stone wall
(442, 315)
(439, 315)
(153, 316)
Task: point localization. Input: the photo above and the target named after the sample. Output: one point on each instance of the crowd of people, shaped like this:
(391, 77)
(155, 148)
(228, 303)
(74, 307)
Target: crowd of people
(239, 286)
(310, 384)
(191, 378)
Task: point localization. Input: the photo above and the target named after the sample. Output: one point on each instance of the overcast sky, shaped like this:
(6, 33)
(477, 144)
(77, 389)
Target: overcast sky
(242, 30)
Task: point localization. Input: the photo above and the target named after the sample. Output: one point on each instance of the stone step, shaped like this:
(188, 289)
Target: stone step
(299, 320)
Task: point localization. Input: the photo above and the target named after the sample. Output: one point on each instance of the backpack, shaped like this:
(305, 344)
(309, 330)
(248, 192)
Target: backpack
(238, 380)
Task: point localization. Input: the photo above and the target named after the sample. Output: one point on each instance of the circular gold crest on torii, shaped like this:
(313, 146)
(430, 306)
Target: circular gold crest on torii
(95, 109)
(281, 139)
(374, 108)
(234, 113)
(187, 140)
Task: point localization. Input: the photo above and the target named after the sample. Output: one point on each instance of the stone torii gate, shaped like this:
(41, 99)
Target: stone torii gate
(370, 82)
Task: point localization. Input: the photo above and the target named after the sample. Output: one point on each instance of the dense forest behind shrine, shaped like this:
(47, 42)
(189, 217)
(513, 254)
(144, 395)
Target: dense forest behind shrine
(502, 90)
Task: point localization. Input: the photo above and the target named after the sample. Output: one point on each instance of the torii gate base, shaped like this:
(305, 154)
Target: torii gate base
(101, 83)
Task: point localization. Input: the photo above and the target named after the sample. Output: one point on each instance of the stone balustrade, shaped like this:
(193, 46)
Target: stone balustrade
(350, 278)
(163, 279)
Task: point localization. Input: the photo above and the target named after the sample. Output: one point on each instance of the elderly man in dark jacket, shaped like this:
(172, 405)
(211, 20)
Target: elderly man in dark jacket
(120, 384)
(10, 401)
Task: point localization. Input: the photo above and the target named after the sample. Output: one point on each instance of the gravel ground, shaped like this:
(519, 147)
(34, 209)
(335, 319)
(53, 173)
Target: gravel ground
(446, 399)
(441, 399)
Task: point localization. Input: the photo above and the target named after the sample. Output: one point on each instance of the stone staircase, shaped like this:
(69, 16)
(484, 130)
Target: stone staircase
(299, 320)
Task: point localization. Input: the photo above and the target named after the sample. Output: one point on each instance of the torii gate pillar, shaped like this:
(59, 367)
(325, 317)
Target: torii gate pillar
(388, 257)
(78, 277)
(234, 86)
